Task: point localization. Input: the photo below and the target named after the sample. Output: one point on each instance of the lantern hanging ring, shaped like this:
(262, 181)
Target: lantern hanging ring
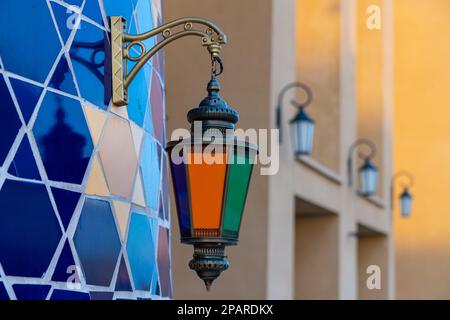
(401, 175)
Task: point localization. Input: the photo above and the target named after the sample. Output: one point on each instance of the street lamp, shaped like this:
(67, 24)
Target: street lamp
(302, 126)
(211, 170)
(368, 173)
(405, 197)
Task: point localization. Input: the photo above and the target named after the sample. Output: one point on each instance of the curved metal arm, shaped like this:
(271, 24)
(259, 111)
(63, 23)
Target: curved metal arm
(352, 148)
(395, 177)
(121, 45)
(292, 85)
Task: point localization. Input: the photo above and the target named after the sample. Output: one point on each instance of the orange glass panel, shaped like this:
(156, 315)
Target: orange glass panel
(206, 184)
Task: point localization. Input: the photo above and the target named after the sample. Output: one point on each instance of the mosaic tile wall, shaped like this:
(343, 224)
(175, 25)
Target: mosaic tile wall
(84, 194)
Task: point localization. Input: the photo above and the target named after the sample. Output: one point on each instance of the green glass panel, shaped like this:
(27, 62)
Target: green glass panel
(240, 172)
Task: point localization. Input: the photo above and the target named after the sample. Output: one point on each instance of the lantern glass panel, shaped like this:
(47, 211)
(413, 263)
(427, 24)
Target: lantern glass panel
(302, 133)
(239, 173)
(405, 203)
(369, 177)
(206, 185)
(178, 169)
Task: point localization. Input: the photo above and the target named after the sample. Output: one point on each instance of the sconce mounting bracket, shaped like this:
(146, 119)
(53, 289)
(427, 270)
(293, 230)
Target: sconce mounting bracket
(121, 46)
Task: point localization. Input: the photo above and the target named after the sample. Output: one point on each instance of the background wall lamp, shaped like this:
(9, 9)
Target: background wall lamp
(302, 126)
(211, 170)
(368, 173)
(406, 182)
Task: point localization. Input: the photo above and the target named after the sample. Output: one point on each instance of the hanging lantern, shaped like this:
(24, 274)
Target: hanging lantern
(368, 174)
(302, 128)
(406, 203)
(211, 175)
(406, 199)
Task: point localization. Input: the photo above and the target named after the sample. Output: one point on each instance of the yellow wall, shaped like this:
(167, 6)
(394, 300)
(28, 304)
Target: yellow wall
(369, 83)
(318, 61)
(422, 145)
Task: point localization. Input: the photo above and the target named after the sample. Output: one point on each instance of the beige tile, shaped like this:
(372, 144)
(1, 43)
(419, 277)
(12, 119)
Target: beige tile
(96, 120)
(96, 184)
(118, 156)
(122, 212)
(138, 194)
(137, 133)
(121, 111)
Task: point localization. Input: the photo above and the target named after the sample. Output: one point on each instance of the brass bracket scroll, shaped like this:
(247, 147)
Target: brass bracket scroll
(121, 45)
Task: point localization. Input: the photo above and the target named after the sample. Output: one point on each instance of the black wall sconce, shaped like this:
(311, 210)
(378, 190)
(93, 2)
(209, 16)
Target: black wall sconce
(302, 126)
(368, 173)
(406, 182)
(210, 195)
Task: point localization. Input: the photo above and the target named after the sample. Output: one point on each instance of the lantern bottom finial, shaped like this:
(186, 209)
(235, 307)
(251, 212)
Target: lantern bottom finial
(208, 262)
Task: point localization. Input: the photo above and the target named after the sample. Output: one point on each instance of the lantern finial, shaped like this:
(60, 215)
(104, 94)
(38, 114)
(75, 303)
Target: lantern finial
(209, 261)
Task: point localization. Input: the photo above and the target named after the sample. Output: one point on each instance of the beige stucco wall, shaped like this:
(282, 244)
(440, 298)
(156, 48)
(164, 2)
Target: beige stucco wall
(268, 49)
(246, 87)
(373, 251)
(316, 257)
(318, 47)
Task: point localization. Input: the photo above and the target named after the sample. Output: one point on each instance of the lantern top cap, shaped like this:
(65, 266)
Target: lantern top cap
(208, 140)
(368, 165)
(405, 194)
(302, 116)
(213, 107)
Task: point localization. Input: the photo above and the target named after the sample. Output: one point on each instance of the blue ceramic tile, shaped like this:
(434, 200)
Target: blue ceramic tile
(148, 122)
(66, 201)
(157, 108)
(31, 292)
(145, 20)
(122, 8)
(158, 291)
(161, 209)
(3, 293)
(98, 295)
(9, 120)
(141, 251)
(150, 171)
(97, 242)
(91, 10)
(27, 96)
(41, 38)
(165, 188)
(66, 19)
(123, 279)
(65, 266)
(154, 270)
(69, 295)
(138, 95)
(77, 3)
(63, 138)
(62, 78)
(24, 164)
(164, 262)
(26, 210)
(87, 54)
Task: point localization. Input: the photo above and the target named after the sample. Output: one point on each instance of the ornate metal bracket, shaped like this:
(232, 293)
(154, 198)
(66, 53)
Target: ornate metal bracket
(122, 44)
